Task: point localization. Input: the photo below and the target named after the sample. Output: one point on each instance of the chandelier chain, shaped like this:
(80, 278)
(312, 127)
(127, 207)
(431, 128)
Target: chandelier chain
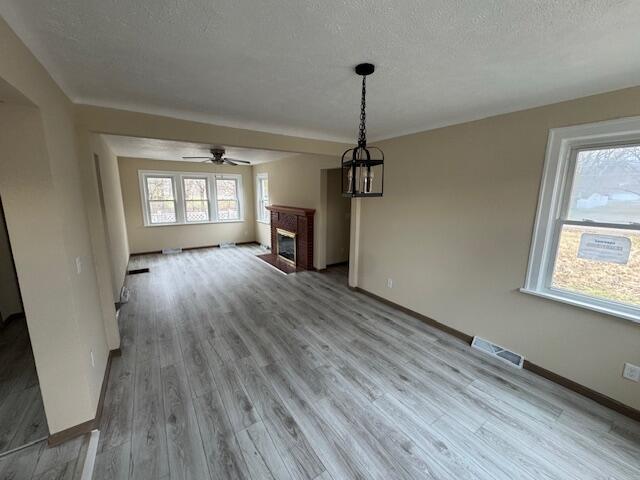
(362, 135)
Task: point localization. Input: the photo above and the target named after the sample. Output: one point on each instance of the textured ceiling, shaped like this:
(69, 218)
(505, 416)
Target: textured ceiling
(171, 150)
(285, 65)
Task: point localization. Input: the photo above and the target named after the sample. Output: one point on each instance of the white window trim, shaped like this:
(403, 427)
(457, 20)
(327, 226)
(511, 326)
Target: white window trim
(184, 199)
(553, 188)
(178, 192)
(239, 194)
(261, 176)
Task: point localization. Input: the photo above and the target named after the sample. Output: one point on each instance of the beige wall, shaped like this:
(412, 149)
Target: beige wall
(338, 219)
(41, 189)
(453, 231)
(10, 302)
(112, 210)
(149, 239)
(296, 181)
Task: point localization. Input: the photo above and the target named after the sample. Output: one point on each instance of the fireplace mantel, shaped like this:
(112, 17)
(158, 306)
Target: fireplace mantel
(298, 221)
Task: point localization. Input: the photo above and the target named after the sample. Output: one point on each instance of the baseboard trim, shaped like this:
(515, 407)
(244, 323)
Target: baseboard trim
(429, 321)
(597, 397)
(90, 425)
(184, 249)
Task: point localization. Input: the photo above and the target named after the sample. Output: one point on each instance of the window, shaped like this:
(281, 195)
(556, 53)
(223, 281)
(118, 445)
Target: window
(227, 202)
(196, 201)
(262, 196)
(161, 200)
(586, 245)
(178, 198)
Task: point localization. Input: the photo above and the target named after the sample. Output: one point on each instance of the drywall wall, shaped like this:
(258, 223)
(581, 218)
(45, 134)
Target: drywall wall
(453, 231)
(41, 189)
(10, 302)
(296, 181)
(149, 239)
(338, 219)
(112, 211)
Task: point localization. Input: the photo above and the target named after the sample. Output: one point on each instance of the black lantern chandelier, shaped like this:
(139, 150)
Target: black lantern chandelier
(362, 166)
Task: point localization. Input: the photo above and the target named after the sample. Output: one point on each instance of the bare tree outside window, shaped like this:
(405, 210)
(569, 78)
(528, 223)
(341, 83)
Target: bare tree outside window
(162, 204)
(196, 200)
(227, 199)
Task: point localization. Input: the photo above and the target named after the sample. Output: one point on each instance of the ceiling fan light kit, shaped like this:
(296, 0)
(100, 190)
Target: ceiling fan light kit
(363, 166)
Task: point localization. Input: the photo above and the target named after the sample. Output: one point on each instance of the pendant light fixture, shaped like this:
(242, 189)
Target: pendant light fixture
(362, 166)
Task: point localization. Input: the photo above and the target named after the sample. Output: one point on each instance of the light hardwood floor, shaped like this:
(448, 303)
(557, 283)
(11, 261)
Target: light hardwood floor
(22, 419)
(231, 370)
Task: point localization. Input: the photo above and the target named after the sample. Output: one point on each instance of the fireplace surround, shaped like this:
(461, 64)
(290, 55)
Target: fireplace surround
(291, 238)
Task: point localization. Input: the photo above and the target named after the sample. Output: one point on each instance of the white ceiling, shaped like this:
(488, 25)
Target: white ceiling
(171, 150)
(285, 65)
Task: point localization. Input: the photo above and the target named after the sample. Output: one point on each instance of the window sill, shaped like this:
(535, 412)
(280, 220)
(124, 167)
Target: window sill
(634, 317)
(186, 224)
(263, 222)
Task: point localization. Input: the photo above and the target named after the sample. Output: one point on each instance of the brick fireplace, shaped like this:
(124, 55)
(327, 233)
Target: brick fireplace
(291, 238)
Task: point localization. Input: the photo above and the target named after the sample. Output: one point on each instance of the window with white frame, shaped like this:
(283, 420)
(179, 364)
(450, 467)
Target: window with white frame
(177, 198)
(196, 199)
(161, 199)
(227, 200)
(262, 196)
(586, 245)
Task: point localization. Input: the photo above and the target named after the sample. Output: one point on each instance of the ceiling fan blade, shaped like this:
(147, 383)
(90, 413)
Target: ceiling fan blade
(237, 161)
(195, 157)
(226, 160)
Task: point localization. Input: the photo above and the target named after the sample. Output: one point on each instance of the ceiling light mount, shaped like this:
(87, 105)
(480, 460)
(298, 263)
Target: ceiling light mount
(360, 165)
(365, 69)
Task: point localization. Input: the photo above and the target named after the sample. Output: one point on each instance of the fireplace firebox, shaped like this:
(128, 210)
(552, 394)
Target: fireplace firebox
(286, 248)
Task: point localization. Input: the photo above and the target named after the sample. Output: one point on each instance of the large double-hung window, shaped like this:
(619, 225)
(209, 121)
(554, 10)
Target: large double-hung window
(586, 245)
(179, 198)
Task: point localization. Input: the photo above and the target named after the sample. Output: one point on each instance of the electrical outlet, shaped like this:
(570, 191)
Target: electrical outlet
(631, 372)
(93, 360)
(389, 282)
(78, 265)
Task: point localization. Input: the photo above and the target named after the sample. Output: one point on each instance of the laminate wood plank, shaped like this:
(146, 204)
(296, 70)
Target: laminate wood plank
(65, 471)
(294, 447)
(238, 404)
(262, 458)
(149, 454)
(220, 444)
(51, 457)
(445, 461)
(332, 449)
(339, 386)
(113, 463)
(187, 459)
(21, 465)
(116, 421)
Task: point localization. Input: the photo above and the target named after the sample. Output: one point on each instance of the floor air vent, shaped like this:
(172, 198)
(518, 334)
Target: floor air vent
(169, 251)
(498, 352)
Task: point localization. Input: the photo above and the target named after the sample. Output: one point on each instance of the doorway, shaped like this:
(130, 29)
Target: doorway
(22, 416)
(338, 219)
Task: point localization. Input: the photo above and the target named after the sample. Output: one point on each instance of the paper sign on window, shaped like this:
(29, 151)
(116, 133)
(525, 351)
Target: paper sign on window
(604, 248)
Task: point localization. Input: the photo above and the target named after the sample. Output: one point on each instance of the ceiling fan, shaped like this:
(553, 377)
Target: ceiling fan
(217, 157)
